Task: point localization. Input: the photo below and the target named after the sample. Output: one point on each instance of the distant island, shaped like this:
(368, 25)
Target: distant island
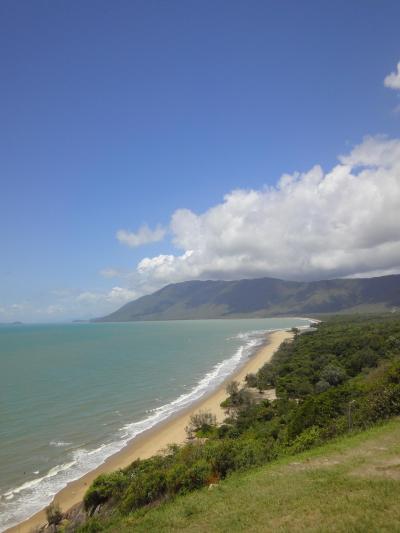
(264, 297)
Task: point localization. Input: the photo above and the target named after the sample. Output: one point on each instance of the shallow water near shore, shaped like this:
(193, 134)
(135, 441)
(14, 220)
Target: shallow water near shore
(74, 394)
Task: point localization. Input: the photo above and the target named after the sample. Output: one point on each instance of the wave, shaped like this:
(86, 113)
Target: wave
(20, 503)
(59, 444)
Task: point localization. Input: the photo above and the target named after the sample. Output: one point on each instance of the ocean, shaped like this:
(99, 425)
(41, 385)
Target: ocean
(71, 395)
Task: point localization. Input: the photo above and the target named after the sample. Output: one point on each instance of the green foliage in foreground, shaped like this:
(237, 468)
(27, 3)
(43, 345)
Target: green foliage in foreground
(350, 485)
(53, 514)
(304, 415)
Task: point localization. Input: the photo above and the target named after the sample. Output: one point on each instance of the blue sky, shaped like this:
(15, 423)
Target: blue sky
(119, 114)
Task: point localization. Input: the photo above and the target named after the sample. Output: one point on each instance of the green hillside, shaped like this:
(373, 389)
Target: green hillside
(261, 298)
(349, 485)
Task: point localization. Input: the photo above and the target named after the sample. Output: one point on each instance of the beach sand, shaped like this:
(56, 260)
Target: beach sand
(157, 438)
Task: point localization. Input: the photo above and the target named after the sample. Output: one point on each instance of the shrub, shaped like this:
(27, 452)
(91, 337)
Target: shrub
(221, 456)
(266, 377)
(306, 440)
(147, 484)
(251, 380)
(318, 410)
(203, 421)
(322, 386)
(238, 400)
(362, 359)
(379, 404)
(198, 475)
(175, 478)
(248, 453)
(103, 488)
(333, 374)
(54, 514)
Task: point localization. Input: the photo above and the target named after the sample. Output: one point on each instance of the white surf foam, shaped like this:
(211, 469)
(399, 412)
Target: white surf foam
(59, 444)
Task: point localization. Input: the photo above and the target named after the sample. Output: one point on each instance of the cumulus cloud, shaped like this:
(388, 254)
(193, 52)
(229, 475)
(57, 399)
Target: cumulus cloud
(318, 224)
(144, 235)
(392, 80)
(310, 225)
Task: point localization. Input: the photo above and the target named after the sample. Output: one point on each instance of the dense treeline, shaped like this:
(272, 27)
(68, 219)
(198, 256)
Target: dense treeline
(342, 376)
(340, 350)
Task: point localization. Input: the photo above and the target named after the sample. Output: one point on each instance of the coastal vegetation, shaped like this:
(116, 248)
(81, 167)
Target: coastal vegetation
(54, 514)
(349, 484)
(341, 378)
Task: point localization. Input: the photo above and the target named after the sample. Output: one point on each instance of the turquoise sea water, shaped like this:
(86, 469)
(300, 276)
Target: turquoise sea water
(72, 395)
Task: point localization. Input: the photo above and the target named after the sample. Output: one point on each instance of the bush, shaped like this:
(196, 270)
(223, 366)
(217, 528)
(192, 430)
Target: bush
(175, 478)
(379, 404)
(266, 377)
(306, 440)
(333, 374)
(366, 358)
(103, 488)
(146, 487)
(322, 386)
(198, 475)
(251, 380)
(248, 453)
(202, 422)
(221, 456)
(318, 410)
(237, 401)
(54, 514)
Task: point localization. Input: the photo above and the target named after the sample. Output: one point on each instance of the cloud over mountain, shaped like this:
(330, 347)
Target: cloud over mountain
(311, 225)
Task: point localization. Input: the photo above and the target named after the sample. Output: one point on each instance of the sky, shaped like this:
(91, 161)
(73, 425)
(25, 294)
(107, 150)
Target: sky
(150, 142)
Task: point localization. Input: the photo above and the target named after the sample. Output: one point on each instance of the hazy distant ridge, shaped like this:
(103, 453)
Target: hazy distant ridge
(261, 297)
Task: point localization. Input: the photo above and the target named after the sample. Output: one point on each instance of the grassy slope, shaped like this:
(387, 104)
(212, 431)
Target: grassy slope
(350, 484)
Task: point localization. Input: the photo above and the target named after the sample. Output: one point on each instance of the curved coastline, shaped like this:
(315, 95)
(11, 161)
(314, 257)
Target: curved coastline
(168, 430)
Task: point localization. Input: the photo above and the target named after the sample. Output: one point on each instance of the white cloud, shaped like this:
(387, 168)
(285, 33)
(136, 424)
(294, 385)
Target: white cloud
(19, 311)
(54, 309)
(311, 225)
(110, 273)
(117, 295)
(393, 79)
(144, 235)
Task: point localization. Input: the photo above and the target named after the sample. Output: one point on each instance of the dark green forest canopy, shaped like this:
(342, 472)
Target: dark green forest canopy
(340, 349)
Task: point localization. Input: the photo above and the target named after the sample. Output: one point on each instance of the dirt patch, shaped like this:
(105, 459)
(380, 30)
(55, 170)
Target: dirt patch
(379, 456)
(314, 464)
(388, 469)
(269, 394)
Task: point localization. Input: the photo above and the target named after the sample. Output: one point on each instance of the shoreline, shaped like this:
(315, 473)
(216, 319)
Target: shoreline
(153, 440)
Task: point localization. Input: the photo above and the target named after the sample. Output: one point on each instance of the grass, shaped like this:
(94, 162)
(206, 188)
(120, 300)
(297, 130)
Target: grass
(351, 484)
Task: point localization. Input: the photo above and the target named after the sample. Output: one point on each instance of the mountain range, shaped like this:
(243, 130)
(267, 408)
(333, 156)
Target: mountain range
(263, 297)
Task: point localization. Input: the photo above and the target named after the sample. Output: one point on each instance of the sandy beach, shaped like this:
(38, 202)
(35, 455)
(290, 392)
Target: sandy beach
(157, 438)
